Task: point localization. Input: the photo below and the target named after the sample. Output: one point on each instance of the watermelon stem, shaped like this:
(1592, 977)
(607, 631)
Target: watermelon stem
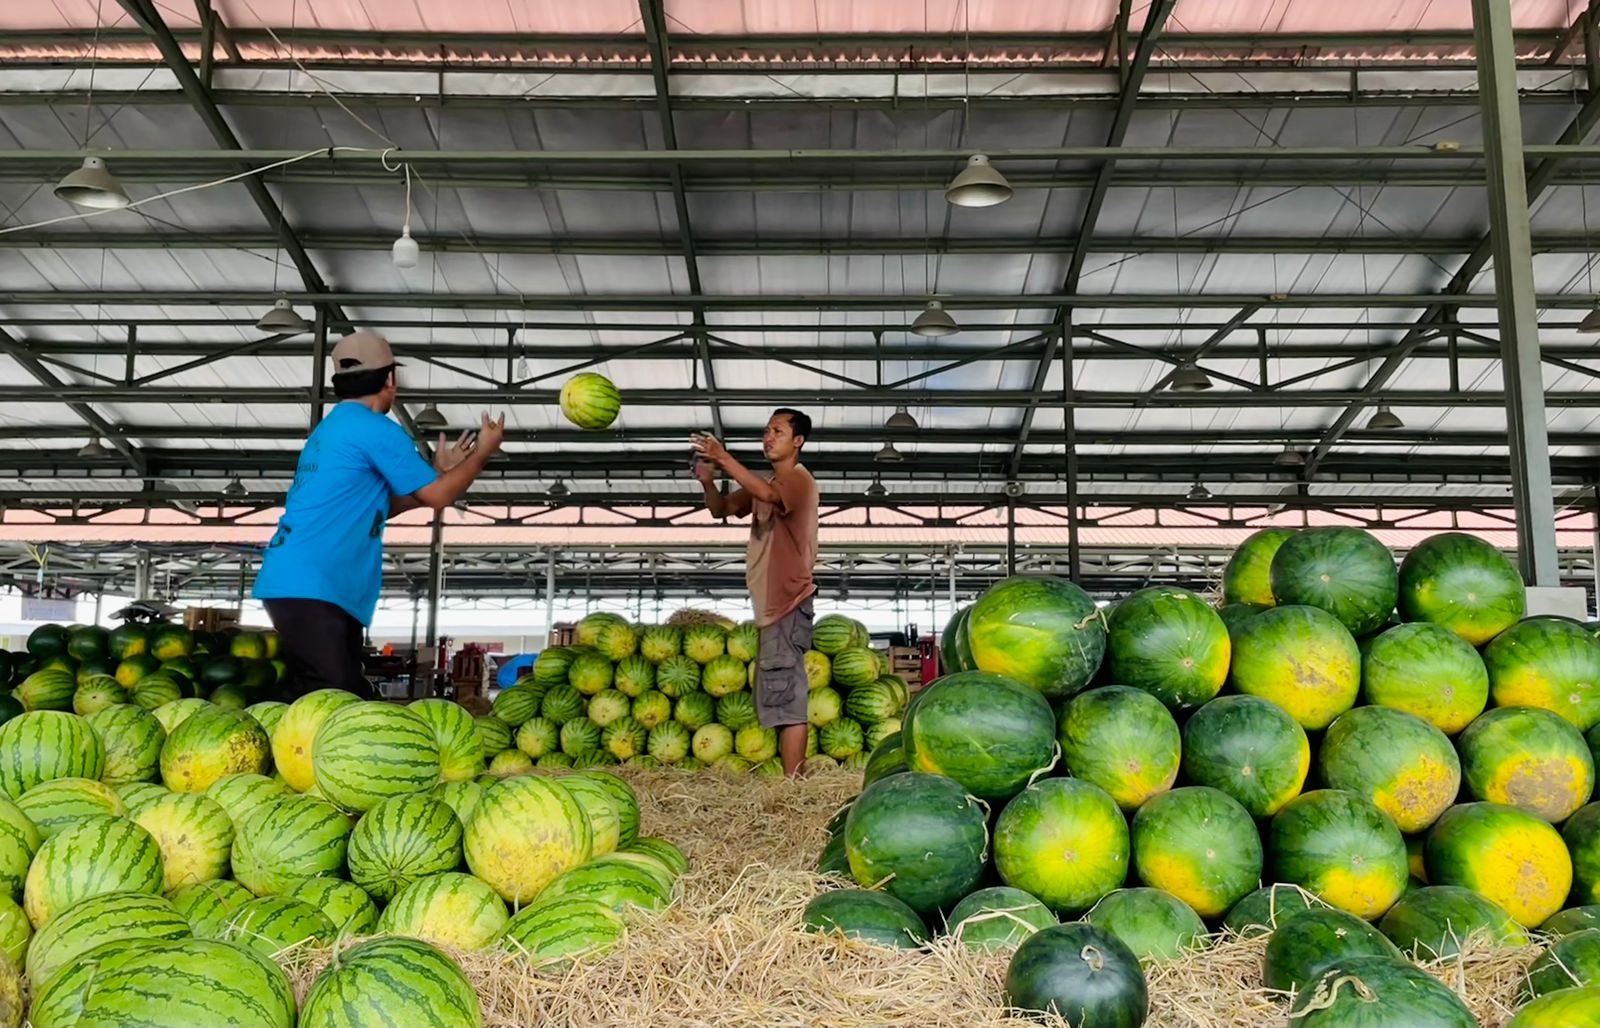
(1098, 614)
(1325, 996)
(1041, 772)
(1092, 956)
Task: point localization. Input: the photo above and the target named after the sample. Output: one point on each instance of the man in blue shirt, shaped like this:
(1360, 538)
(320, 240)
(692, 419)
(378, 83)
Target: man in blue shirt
(320, 578)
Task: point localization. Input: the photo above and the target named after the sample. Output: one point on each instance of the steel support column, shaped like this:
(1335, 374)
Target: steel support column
(1069, 423)
(1531, 493)
(1011, 535)
(319, 366)
(435, 576)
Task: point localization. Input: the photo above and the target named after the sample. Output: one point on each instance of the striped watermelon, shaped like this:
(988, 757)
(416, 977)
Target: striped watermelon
(230, 697)
(737, 711)
(286, 840)
(195, 836)
(588, 628)
(156, 690)
(757, 744)
(95, 856)
(15, 932)
(551, 666)
(461, 797)
(678, 676)
(44, 744)
(832, 633)
(401, 840)
(97, 921)
(1199, 844)
(704, 643)
(267, 714)
(137, 794)
(590, 673)
(553, 932)
(554, 760)
(624, 738)
(626, 800)
(518, 704)
(651, 708)
(345, 904)
(1120, 738)
(659, 643)
(601, 810)
(650, 863)
(369, 752)
(525, 832)
(876, 701)
(712, 742)
(855, 667)
(449, 909)
(1063, 841)
(175, 713)
(273, 925)
(722, 676)
(391, 981)
(841, 739)
(60, 1000)
(460, 753)
(510, 762)
(669, 742)
(634, 676)
(241, 794)
(619, 884)
(562, 703)
(590, 401)
(209, 906)
(695, 711)
(494, 735)
(132, 738)
(608, 705)
(615, 641)
(538, 736)
(50, 689)
(579, 736)
(63, 802)
(181, 982)
(211, 744)
(294, 743)
(96, 693)
(819, 670)
(824, 706)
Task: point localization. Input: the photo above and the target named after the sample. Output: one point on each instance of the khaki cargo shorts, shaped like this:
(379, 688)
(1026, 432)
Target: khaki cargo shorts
(781, 689)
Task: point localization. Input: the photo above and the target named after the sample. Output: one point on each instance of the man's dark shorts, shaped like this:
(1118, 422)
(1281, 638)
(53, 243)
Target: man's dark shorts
(781, 688)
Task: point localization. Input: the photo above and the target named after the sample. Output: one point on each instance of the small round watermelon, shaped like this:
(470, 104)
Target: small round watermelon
(391, 981)
(368, 752)
(276, 925)
(1546, 662)
(1063, 840)
(1572, 961)
(287, 839)
(1170, 643)
(95, 856)
(446, 909)
(345, 904)
(494, 735)
(1344, 571)
(1247, 578)
(1249, 748)
(195, 836)
(1261, 912)
(999, 917)
(1045, 632)
(1198, 844)
(1529, 758)
(1463, 584)
(1400, 762)
(132, 738)
(1382, 991)
(561, 704)
(1155, 925)
(1438, 920)
(551, 933)
(1342, 849)
(1122, 739)
(988, 733)
(590, 401)
(1301, 658)
(525, 832)
(1307, 943)
(1504, 854)
(920, 837)
(211, 744)
(1081, 973)
(44, 744)
(1428, 671)
(401, 840)
(294, 743)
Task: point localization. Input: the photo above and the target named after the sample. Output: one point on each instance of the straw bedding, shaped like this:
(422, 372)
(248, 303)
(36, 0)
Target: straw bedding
(729, 953)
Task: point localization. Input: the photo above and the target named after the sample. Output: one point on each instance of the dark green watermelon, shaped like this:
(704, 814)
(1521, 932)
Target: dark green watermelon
(1301, 658)
(955, 654)
(868, 916)
(998, 917)
(1568, 1008)
(221, 670)
(1236, 614)
(1247, 578)
(128, 640)
(259, 674)
(1342, 849)
(1345, 571)
(1263, 910)
(10, 707)
(989, 733)
(1437, 920)
(1382, 992)
(1043, 631)
(887, 758)
(1082, 973)
(1122, 739)
(1154, 924)
(1570, 962)
(1573, 919)
(1170, 643)
(920, 837)
(1462, 584)
(87, 642)
(1428, 671)
(1248, 747)
(48, 641)
(7, 663)
(1547, 662)
(1308, 943)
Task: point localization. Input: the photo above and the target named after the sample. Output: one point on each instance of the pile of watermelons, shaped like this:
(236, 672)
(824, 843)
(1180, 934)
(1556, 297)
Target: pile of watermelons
(84, 668)
(1371, 762)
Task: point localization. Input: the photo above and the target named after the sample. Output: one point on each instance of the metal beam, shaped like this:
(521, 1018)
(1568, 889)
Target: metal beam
(1531, 491)
(47, 380)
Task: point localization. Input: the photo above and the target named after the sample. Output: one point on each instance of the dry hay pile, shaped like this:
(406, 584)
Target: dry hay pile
(729, 951)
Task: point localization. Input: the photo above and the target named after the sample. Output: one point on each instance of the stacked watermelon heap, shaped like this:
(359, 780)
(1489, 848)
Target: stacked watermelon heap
(1423, 779)
(155, 863)
(681, 696)
(83, 668)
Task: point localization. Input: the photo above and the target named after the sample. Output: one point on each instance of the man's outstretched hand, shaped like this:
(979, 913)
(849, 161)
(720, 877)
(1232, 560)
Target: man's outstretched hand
(447, 457)
(491, 434)
(709, 448)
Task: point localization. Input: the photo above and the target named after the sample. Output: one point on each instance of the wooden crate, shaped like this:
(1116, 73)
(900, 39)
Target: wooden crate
(210, 619)
(563, 635)
(906, 661)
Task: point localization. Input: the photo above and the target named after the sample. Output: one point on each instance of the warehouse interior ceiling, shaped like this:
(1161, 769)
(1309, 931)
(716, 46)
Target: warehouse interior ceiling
(729, 205)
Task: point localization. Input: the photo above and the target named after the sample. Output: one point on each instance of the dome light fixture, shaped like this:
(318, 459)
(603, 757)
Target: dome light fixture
(405, 252)
(901, 420)
(1591, 322)
(235, 488)
(934, 321)
(94, 449)
(877, 490)
(888, 455)
(93, 187)
(979, 184)
(431, 419)
(1188, 378)
(1384, 420)
(557, 489)
(283, 319)
(1198, 491)
(1290, 458)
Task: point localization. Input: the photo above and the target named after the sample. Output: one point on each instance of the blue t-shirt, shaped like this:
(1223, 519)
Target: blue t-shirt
(329, 543)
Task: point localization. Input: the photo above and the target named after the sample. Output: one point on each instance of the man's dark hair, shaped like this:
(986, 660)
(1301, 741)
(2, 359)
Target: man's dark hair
(799, 423)
(353, 385)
